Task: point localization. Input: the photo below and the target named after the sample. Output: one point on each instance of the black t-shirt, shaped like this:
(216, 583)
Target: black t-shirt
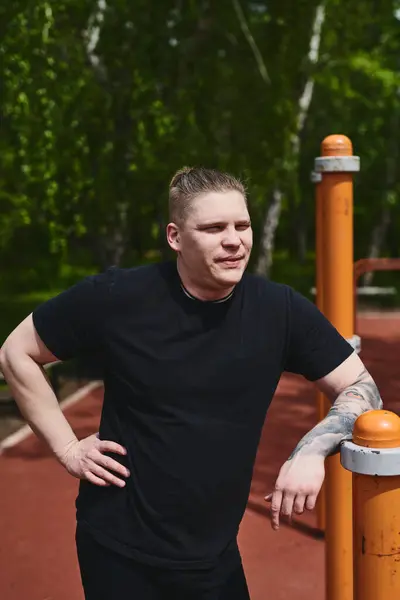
(187, 387)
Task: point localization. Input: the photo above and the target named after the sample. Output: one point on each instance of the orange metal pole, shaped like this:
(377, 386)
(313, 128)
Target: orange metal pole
(374, 459)
(322, 402)
(337, 164)
(317, 178)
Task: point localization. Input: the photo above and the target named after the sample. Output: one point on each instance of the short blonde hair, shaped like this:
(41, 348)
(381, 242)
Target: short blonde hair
(190, 182)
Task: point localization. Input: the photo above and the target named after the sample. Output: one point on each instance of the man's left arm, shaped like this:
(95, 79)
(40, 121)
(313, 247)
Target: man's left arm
(353, 391)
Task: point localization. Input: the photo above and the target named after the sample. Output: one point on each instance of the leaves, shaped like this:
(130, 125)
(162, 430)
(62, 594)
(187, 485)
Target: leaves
(101, 102)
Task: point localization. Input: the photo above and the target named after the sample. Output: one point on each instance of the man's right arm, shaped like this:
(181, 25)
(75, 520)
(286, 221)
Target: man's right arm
(22, 357)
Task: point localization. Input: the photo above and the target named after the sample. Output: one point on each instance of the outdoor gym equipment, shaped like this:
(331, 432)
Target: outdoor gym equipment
(357, 507)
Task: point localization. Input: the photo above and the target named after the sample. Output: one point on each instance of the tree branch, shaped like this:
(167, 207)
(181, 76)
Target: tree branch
(92, 36)
(313, 56)
(251, 41)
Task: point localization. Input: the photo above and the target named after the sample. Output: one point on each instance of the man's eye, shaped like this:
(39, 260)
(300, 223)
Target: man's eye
(214, 228)
(242, 227)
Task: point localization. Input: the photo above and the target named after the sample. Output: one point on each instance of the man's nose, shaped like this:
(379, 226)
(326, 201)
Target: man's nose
(231, 237)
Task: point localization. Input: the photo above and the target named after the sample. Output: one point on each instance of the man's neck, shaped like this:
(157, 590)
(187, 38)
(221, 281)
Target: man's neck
(192, 289)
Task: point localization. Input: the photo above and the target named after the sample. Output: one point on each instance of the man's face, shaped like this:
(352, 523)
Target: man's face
(216, 239)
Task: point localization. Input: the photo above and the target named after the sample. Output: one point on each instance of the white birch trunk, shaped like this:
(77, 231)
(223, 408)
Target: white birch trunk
(271, 221)
(92, 36)
(379, 232)
(378, 238)
(273, 212)
(113, 245)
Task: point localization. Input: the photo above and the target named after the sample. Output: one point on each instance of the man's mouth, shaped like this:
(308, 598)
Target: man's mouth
(231, 259)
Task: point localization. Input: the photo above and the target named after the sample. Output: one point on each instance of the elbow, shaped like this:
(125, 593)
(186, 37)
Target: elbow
(2, 357)
(9, 355)
(375, 397)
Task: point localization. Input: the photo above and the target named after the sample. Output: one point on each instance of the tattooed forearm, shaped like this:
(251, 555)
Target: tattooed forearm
(325, 438)
(365, 390)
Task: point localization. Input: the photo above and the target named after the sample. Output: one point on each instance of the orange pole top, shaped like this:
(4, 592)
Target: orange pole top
(377, 429)
(336, 145)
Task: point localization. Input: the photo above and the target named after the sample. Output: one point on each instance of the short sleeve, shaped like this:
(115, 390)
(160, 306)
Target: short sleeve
(71, 323)
(315, 347)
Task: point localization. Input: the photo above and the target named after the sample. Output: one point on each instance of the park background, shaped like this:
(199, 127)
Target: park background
(101, 102)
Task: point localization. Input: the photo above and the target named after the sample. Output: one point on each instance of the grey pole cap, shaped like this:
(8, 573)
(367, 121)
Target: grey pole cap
(337, 164)
(370, 461)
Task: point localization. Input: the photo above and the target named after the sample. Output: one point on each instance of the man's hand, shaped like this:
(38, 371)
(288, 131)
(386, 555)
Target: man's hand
(353, 391)
(85, 459)
(297, 487)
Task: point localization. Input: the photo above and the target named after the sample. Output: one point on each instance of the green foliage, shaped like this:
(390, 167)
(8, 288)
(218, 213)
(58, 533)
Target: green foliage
(101, 102)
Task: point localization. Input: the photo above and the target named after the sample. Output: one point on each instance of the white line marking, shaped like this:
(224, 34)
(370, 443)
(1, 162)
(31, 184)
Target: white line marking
(25, 431)
(378, 315)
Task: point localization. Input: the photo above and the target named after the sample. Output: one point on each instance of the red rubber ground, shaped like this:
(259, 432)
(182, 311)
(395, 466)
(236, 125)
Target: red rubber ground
(37, 552)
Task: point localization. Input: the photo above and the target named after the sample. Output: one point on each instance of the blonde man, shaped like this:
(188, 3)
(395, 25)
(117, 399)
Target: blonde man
(193, 351)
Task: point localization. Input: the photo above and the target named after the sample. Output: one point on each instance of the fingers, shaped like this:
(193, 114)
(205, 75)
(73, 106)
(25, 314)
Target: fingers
(100, 473)
(311, 501)
(100, 466)
(285, 503)
(109, 463)
(107, 446)
(276, 503)
(281, 504)
(96, 480)
(298, 506)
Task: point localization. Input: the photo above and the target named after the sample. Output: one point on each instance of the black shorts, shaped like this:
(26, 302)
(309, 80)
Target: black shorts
(107, 575)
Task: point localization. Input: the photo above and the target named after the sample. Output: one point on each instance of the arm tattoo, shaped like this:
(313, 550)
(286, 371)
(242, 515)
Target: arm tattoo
(325, 438)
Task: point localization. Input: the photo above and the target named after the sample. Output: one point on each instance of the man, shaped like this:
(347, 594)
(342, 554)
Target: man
(193, 351)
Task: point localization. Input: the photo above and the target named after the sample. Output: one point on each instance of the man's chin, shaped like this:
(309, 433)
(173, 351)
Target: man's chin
(231, 276)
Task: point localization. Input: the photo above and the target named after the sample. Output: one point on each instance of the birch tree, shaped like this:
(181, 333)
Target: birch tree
(274, 208)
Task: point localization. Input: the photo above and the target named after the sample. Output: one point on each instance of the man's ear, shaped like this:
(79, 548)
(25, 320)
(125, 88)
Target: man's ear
(173, 236)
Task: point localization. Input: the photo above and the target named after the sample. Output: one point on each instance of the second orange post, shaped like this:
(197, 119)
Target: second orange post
(337, 164)
(373, 458)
